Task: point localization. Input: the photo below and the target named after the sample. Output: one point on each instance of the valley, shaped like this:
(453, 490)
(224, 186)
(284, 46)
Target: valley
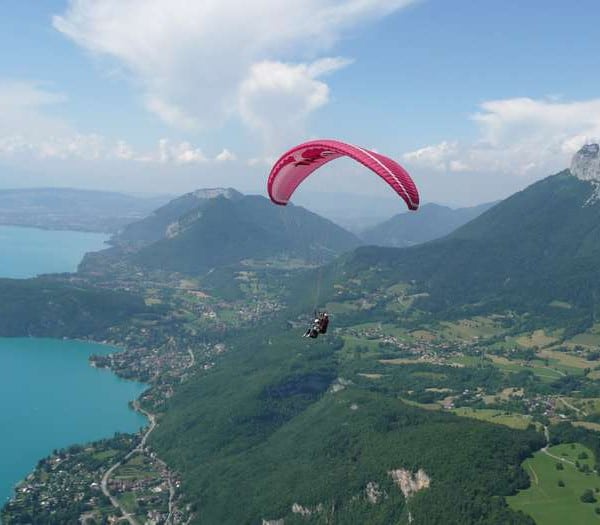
(419, 367)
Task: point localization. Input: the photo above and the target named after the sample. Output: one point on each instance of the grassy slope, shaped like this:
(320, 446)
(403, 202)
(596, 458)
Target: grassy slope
(550, 504)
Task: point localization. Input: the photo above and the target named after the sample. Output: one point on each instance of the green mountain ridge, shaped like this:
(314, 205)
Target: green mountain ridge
(431, 222)
(540, 245)
(226, 232)
(156, 225)
(223, 230)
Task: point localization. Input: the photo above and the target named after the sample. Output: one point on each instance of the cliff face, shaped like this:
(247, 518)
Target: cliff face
(586, 163)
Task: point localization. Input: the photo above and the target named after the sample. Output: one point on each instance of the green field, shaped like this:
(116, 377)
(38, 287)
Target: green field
(138, 467)
(467, 329)
(550, 504)
(499, 417)
(536, 366)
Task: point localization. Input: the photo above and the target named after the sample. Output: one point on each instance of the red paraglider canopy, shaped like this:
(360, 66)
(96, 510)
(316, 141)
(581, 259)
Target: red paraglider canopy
(299, 162)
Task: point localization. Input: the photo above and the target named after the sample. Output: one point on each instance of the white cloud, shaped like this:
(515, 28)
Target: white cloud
(521, 136)
(437, 157)
(260, 161)
(28, 127)
(23, 111)
(225, 156)
(182, 153)
(198, 63)
(28, 131)
(276, 98)
(123, 151)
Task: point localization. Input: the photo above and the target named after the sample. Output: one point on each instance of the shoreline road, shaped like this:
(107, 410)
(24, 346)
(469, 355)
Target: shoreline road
(139, 448)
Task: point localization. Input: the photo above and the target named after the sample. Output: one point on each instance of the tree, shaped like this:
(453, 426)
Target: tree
(560, 466)
(561, 483)
(588, 496)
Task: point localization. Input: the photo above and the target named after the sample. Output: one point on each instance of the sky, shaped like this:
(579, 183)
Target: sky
(477, 99)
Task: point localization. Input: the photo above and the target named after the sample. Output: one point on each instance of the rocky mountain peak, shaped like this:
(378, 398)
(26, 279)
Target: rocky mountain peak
(211, 193)
(586, 163)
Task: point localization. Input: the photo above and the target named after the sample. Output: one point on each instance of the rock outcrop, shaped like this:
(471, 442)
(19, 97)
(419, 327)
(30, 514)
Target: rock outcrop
(408, 482)
(586, 163)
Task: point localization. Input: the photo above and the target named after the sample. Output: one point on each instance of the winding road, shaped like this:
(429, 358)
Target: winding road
(140, 448)
(545, 449)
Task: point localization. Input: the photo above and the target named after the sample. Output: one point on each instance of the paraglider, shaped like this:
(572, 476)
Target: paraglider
(299, 162)
(319, 325)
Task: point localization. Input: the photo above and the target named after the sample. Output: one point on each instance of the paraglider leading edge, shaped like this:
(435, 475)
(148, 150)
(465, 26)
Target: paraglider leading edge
(298, 163)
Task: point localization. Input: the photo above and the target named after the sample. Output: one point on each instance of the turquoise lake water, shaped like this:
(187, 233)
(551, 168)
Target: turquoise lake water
(27, 252)
(50, 397)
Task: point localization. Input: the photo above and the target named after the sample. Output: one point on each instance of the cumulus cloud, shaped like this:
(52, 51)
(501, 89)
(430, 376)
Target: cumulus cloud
(198, 63)
(183, 153)
(225, 156)
(437, 157)
(28, 127)
(520, 136)
(28, 131)
(276, 98)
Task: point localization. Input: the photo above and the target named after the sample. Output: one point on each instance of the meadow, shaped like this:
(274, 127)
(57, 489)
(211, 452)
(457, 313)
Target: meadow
(546, 501)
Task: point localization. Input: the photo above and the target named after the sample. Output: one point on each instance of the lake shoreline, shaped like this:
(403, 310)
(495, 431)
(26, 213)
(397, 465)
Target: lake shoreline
(125, 408)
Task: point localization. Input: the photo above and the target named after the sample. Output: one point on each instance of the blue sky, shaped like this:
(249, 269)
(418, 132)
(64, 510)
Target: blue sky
(477, 98)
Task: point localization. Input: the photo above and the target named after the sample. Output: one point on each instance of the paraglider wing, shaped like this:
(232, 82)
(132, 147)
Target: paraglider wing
(299, 162)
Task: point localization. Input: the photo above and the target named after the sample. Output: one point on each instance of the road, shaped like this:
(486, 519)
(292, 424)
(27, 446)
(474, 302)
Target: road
(569, 405)
(545, 449)
(107, 475)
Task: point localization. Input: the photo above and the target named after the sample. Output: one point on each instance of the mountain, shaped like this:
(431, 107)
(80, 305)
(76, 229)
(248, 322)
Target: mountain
(67, 208)
(533, 251)
(226, 231)
(432, 221)
(354, 212)
(211, 228)
(156, 225)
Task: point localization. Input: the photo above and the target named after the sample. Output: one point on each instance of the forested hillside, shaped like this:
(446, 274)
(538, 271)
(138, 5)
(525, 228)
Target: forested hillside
(276, 424)
(194, 235)
(538, 246)
(46, 308)
(156, 225)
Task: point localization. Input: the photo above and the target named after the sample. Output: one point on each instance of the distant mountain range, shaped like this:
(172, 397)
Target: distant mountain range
(432, 221)
(73, 209)
(211, 228)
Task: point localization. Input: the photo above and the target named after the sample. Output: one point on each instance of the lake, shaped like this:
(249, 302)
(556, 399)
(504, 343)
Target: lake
(27, 252)
(50, 397)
